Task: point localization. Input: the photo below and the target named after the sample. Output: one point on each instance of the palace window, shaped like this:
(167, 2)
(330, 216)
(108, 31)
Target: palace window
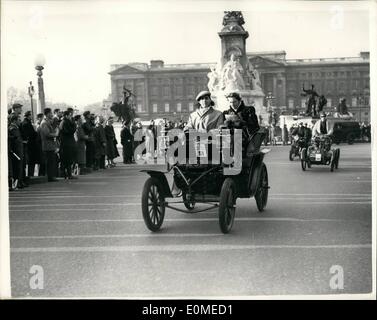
(139, 107)
(329, 102)
(166, 92)
(140, 89)
(190, 90)
(166, 107)
(155, 91)
(155, 108)
(354, 102)
(191, 106)
(291, 103)
(303, 103)
(178, 90)
(179, 107)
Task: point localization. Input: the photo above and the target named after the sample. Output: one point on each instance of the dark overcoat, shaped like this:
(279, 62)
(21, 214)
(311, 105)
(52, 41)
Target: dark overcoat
(111, 142)
(67, 141)
(99, 141)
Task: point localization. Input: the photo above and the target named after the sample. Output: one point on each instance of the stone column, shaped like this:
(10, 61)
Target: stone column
(274, 88)
(281, 94)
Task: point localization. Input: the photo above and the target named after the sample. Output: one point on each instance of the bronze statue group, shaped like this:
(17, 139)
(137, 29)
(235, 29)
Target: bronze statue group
(316, 103)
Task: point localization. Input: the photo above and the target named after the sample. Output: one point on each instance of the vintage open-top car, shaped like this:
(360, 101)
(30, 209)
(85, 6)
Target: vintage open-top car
(211, 183)
(320, 153)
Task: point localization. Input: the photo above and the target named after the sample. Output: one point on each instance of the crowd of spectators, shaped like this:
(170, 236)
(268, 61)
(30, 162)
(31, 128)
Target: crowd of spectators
(57, 144)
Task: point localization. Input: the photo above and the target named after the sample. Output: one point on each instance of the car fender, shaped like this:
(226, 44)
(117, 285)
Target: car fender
(160, 176)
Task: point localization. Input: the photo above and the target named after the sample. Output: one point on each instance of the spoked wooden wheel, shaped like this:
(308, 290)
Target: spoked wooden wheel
(153, 204)
(227, 205)
(188, 201)
(261, 194)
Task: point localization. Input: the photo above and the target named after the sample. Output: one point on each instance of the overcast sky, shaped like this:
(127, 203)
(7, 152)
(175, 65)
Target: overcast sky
(81, 39)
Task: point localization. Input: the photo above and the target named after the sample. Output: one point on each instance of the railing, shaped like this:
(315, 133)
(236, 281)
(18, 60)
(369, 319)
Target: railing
(328, 60)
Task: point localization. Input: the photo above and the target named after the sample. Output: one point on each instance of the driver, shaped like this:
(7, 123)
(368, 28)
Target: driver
(321, 127)
(205, 118)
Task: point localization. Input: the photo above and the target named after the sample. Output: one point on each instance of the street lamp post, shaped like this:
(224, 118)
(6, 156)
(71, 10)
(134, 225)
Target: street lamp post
(31, 93)
(39, 63)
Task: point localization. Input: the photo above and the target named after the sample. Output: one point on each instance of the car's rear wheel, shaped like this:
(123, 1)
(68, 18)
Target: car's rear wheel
(261, 194)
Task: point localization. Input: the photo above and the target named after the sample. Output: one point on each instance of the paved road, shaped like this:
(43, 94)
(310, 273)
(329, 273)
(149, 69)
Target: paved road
(89, 237)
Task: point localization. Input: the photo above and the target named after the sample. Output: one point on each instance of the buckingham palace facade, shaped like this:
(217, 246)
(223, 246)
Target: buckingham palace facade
(169, 90)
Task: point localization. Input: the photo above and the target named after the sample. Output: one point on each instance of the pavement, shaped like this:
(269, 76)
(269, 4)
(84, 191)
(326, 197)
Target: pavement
(87, 238)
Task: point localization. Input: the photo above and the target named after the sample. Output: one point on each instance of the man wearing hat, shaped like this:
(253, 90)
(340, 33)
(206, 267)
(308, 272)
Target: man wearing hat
(299, 131)
(15, 145)
(67, 129)
(16, 109)
(308, 133)
(205, 118)
(321, 126)
(49, 133)
(29, 136)
(88, 126)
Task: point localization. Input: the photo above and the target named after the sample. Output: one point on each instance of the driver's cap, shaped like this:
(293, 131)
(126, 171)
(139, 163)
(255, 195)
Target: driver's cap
(202, 94)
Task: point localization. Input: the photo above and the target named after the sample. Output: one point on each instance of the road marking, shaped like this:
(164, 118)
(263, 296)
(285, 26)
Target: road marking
(61, 209)
(76, 196)
(272, 196)
(322, 198)
(319, 194)
(75, 204)
(184, 248)
(160, 235)
(188, 219)
(23, 192)
(138, 203)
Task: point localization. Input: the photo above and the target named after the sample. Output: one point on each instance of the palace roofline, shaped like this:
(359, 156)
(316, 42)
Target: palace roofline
(144, 67)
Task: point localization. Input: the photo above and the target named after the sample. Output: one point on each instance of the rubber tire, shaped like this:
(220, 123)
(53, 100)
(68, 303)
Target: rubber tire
(152, 219)
(332, 162)
(303, 160)
(337, 158)
(261, 195)
(190, 205)
(227, 194)
(350, 138)
(291, 155)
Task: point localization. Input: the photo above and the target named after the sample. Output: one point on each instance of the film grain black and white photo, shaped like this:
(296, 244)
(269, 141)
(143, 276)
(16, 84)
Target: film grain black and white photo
(187, 150)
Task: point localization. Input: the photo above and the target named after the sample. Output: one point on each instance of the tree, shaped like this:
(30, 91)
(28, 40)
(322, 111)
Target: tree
(12, 94)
